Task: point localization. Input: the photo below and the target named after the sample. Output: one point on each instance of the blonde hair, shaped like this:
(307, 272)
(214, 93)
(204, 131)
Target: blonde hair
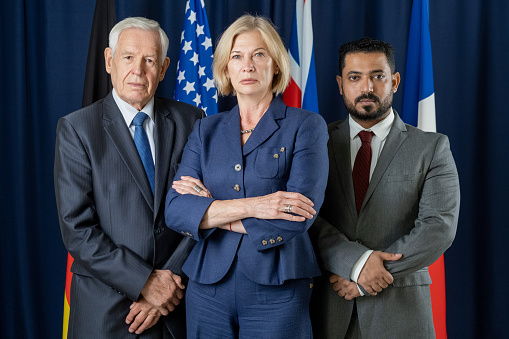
(276, 50)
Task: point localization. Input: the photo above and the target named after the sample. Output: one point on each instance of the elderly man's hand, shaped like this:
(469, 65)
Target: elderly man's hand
(163, 290)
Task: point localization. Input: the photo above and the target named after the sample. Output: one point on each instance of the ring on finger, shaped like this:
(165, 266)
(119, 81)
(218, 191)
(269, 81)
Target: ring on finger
(288, 208)
(197, 188)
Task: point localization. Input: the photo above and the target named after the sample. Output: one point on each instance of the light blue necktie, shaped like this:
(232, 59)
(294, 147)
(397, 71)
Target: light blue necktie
(143, 147)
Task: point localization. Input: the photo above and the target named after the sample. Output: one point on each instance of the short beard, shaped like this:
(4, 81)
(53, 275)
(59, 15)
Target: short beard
(369, 116)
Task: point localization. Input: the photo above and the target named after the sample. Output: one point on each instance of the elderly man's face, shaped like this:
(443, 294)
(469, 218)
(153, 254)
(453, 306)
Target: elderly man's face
(136, 68)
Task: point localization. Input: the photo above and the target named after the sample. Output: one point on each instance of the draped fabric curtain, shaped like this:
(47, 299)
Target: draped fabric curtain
(44, 48)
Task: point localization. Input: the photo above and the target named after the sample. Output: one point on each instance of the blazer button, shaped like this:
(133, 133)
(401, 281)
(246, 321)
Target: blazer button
(272, 241)
(282, 149)
(358, 241)
(157, 231)
(280, 239)
(264, 242)
(238, 167)
(276, 156)
(236, 187)
(311, 285)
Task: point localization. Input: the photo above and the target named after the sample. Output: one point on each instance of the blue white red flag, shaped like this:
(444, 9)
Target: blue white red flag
(419, 110)
(419, 93)
(195, 84)
(302, 92)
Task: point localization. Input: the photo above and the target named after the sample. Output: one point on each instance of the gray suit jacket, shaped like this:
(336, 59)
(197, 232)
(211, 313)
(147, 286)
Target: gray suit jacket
(411, 207)
(111, 223)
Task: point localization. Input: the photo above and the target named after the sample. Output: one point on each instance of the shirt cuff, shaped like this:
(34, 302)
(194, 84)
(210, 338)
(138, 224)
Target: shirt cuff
(357, 268)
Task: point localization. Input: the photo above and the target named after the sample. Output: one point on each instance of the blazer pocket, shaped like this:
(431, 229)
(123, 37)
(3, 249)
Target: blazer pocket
(270, 163)
(403, 177)
(420, 277)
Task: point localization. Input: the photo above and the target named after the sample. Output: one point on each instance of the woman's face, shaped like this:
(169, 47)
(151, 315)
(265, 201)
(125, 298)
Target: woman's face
(250, 67)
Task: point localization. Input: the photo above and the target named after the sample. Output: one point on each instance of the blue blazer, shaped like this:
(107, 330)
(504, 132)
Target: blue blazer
(287, 151)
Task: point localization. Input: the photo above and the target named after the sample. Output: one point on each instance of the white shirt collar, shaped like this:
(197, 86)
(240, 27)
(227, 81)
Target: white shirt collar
(381, 129)
(129, 112)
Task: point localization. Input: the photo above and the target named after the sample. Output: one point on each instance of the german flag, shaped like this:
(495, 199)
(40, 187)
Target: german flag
(97, 86)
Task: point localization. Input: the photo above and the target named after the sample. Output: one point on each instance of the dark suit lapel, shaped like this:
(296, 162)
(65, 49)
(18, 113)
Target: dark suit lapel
(340, 142)
(266, 126)
(394, 141)
(163, 138)
(115, 127)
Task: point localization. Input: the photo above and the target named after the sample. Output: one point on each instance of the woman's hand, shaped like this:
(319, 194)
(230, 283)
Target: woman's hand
(190, 185)
(282, 205)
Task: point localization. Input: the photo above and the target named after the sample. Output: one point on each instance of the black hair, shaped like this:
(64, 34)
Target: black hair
(367, 45)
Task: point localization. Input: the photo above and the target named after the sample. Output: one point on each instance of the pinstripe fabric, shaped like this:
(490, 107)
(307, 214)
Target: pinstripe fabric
(361, 167)
(111, 222)
(143, 147)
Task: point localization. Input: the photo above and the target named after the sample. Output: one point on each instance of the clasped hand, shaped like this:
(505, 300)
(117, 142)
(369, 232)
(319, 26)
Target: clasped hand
(160, 295)
(373, 277)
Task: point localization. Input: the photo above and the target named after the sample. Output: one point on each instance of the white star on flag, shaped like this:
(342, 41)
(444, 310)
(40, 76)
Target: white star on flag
(195, 59)
(192, 17)
(197, 100)
(187, 46)
(181, 76)
(207, 43)
(199, 30)
(201, 71)
(209, 84)
(194, 83)
(189, 87)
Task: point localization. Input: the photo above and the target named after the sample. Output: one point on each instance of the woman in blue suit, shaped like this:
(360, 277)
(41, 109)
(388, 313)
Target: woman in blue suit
(252, 181)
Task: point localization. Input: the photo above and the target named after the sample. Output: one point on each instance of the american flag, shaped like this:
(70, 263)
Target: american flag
(302, 92)
(195, 84)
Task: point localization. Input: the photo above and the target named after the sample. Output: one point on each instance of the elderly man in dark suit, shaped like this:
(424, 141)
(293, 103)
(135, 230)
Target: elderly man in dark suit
(391, 209)
(114, 162)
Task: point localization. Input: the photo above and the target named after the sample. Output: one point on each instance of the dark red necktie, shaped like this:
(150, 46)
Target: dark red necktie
(361, 168)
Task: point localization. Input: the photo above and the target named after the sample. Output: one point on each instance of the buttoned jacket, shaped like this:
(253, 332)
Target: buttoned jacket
(111, 223)
(411, 207)
(287, 151)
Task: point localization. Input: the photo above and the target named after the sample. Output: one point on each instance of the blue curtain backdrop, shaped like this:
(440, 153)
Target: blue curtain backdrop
(44, 46)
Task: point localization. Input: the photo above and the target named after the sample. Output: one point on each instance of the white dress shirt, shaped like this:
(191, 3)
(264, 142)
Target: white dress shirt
(129, 112)
(380, 130)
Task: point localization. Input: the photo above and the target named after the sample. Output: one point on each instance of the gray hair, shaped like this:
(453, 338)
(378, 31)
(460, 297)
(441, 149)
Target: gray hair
(140, 23)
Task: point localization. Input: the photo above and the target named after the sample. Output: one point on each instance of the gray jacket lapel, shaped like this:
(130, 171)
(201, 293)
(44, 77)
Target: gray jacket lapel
(115, 127)
(394, 141)
(340, 142)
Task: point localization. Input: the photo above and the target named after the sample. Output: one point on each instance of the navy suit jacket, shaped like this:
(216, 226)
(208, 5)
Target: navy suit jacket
(287, 151)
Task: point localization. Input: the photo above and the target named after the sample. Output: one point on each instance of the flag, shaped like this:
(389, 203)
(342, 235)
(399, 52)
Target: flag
(97, 86)
(419, 110)
(195, 84)
(301, 91)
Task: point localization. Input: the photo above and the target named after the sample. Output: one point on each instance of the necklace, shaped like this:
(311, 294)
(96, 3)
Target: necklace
(247, 131)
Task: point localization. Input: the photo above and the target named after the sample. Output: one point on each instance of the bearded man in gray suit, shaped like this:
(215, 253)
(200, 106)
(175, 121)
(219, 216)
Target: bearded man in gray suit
(110, 196)
(375, 241)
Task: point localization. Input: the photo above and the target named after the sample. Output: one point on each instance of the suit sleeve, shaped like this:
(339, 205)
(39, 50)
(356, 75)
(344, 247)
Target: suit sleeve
(435, 227)
(335, 252)
(195, 206)
(79, 223)
(308, 174)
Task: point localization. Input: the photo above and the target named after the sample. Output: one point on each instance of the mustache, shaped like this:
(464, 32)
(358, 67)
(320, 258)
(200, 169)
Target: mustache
(369, 96)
